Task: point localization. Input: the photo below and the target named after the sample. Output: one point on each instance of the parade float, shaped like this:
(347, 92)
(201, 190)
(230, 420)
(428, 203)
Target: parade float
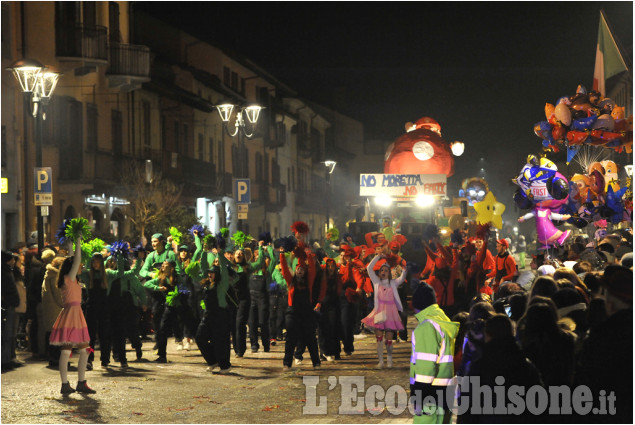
(412, 192)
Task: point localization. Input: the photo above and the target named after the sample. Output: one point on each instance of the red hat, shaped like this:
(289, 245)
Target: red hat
(394, 246)
(503, 242)
(349, 252)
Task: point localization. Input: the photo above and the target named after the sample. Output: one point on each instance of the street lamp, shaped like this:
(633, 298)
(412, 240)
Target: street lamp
(330, 167)
(252, 112)
(38, 84)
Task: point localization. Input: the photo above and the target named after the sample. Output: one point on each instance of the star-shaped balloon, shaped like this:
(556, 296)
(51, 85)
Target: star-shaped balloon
(489, 210)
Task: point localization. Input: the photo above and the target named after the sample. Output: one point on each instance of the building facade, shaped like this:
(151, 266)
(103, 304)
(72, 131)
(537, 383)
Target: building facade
(135, 90)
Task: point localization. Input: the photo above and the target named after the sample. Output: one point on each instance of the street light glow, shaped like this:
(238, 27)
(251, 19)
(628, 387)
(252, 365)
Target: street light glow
(383, 200)
(424, 200)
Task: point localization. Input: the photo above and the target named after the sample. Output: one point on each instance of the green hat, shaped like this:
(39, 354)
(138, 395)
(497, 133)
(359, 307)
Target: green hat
(184, 248)
(158, 236)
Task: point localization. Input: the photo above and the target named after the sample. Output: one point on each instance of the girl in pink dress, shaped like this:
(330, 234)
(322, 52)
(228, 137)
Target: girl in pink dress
(70, 329)
(384, 317)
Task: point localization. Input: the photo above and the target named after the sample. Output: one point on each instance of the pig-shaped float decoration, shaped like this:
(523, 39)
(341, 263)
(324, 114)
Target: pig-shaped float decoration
(421, 150)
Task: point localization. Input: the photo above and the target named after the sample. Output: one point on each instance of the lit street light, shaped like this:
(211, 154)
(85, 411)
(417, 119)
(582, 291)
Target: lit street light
(38, 84)
(252, 112)
(330, 167)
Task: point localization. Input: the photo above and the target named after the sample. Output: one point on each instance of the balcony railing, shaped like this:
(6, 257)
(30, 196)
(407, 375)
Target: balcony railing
(79, 42)
(129, 60)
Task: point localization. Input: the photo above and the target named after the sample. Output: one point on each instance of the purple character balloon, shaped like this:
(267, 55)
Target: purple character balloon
(546, 191)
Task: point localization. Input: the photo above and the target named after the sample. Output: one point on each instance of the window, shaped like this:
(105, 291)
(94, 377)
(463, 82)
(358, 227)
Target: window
(266, 168)
(91, 127)
(145, 126)
(186, 140)
(113, 22)
(164, 133)
(89, 14)
(259, 168)
(226, 76)
(4, 145)
(221, 156)
(177, 142)
(234, 81)
(201, 148)
(116, 125)
(275, 172)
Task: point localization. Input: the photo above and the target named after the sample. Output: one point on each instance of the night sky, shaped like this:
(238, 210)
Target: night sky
(484, 71)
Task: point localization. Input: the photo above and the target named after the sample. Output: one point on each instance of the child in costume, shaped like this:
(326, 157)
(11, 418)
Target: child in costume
(70, 329)
(384, 318)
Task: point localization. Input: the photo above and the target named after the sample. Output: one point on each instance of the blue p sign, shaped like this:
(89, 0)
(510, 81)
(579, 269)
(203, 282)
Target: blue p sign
(242, 191)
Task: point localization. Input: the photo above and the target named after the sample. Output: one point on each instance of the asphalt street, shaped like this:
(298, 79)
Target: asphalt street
(350, 390)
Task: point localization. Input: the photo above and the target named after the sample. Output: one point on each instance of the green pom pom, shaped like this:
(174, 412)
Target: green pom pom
(224, 231)
(78, 226)
(193, 270)
(176, 235)
(335, 233)
(172, 298)
(203, 304)
(240, 238)
(209, 242)
(90, 247)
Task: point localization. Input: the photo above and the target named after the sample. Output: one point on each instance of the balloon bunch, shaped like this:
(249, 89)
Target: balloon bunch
(598, 195)
(544, 190)
(585, 118)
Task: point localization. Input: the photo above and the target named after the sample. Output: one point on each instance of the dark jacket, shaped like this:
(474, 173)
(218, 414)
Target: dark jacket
(503, 357)
(605, 362)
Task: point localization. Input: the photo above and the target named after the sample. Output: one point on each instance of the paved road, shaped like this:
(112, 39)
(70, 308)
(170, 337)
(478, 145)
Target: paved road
(183, 391)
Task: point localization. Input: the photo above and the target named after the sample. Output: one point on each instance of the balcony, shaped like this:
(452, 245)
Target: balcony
(79, 43)
(129, 66)
(272, 196)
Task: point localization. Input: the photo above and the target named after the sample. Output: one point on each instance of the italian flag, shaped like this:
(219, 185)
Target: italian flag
(608, 59)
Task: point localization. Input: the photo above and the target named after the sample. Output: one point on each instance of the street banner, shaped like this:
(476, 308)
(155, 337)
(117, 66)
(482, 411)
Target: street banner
(402, 185)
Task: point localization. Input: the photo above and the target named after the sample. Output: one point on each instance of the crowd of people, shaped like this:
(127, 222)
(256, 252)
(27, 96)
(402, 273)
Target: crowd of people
(565, 321)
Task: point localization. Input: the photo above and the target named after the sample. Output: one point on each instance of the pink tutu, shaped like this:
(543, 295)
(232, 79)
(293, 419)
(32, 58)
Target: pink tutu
(385, 303)
(70, 327)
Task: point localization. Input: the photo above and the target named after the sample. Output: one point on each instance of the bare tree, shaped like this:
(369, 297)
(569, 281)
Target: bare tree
(151, 197)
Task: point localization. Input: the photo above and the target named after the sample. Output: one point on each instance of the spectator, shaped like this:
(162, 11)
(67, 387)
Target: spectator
(605, 362)
(571, 304)
(544, 286)
(572, 277)
(541, 330)
(10, 300)
(474, 337)
(502, 357)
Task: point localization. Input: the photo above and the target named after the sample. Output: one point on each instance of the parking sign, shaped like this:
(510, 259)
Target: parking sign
(43, 186)
(242, 192)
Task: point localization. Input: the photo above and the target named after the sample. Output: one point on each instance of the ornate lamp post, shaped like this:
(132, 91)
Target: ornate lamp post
(252, 112)
(38, 84)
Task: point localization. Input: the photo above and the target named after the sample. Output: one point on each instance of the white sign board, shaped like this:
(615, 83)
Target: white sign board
(402, 185)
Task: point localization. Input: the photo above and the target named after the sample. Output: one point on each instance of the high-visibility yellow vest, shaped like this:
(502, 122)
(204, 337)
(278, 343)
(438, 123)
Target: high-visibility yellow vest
(432, 358)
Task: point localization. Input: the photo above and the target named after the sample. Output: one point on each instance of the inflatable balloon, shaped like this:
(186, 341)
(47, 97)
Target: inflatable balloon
(563, 114)
(421, 150)
(474, 189)
(546, 191)
(585, 118)
(490, 211)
